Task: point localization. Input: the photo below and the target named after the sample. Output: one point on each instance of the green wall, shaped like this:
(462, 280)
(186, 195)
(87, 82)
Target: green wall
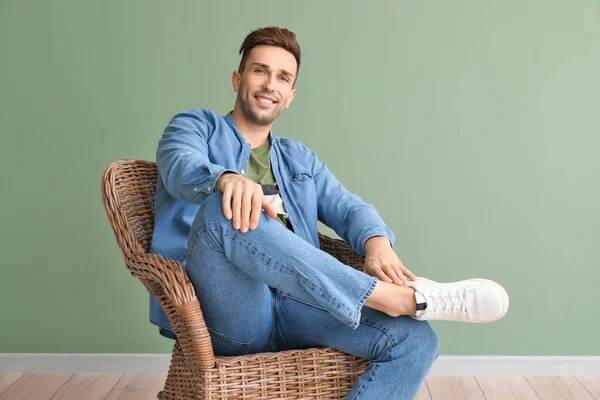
(473, 128)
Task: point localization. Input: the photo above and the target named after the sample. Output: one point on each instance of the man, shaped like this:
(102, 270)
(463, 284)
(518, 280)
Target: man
(262, 281)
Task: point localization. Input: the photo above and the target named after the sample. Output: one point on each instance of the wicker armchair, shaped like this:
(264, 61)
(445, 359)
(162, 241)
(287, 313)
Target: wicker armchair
(128, 188)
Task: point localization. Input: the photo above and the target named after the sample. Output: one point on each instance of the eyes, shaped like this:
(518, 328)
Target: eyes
(282, 77)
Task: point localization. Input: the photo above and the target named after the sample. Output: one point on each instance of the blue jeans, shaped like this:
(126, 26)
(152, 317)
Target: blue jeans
(270, 290)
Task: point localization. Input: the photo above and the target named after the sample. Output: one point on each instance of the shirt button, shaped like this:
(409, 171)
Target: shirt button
(195, 189)
(242, 171)
(208, 188)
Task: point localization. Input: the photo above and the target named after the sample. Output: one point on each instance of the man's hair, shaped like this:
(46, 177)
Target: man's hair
(270, 36)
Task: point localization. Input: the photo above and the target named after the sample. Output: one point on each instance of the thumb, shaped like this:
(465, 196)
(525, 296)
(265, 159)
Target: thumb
(269, 209)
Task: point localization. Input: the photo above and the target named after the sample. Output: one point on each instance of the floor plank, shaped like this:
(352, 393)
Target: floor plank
(133, 394)
(457, 387)
(423, 393)
(558, 388)
(592, 384)
(36, 386)
(504, 385)
(511, 397)
(8, 378)
(142, 381)
(88, 386)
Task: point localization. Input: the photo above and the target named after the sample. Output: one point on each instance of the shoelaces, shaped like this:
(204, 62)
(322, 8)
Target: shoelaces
(443, 301)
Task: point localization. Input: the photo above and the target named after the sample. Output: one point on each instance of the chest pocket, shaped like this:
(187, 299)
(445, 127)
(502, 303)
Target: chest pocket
(301, 176)
(303, 190)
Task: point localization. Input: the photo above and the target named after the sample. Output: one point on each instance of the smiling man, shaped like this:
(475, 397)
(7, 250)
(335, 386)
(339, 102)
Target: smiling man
(239, 206)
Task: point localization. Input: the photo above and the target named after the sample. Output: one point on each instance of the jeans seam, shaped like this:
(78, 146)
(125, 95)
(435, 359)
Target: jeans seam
(302, 301)
(227, 338)
(392, 342)
(196, 236)
(275, 309)
(375, 367)
(351, 313)
(278, 302)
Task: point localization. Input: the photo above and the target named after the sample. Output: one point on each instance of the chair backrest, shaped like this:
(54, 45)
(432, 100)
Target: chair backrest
(128, 188)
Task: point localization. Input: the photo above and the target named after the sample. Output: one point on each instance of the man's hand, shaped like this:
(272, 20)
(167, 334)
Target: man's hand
(383, 263)
(243, 200)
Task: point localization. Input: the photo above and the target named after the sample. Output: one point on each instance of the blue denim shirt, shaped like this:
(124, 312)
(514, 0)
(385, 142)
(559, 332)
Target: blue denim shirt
(199, 145)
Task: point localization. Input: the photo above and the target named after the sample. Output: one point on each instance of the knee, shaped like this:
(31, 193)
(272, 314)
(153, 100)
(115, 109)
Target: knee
(411, 339)
(213, 204)
(418, 341)
(211, 210)
(425, 341)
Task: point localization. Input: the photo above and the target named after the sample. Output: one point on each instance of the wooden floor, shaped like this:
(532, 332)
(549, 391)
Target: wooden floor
(91, 386)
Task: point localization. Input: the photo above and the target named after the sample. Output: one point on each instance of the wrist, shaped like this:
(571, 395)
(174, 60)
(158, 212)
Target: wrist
(377, 242)
(221, 179)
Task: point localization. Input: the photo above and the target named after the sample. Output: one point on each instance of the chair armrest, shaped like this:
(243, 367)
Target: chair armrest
(342, 251)
(173, 289)
(169, 274)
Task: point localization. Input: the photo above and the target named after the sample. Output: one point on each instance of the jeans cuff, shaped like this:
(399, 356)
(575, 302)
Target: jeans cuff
(356, 320)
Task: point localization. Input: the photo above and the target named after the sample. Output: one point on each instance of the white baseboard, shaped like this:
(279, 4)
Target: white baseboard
(159, 363)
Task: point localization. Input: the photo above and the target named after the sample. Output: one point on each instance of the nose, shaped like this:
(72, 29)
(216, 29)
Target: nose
(269, 82)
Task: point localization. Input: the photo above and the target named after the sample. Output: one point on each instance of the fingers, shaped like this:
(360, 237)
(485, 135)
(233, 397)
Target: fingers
(227, 193)
(406, 272)
(397, 274)
(388, 274)
(383, 277)
(242, 203)
(412, 276)
(236, 206)
(269, 208)
(246, 209)
(255, 213)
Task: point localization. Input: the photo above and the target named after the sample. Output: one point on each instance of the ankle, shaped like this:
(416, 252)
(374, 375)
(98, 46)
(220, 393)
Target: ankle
(409, 303)
(393, 300)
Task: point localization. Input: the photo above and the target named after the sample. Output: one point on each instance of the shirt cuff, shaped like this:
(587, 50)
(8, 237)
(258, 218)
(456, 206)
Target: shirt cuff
(372, 233)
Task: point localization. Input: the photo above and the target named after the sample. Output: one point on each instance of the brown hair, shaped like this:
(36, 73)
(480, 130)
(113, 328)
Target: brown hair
(270, 36)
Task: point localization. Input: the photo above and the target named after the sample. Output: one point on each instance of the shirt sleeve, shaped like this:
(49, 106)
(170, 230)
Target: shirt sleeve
(346, 213)
(182, 157)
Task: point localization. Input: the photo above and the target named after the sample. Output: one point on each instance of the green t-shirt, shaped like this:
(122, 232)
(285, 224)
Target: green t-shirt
(259, 170)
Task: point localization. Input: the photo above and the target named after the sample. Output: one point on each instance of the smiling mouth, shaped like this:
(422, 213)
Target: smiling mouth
(265, 100)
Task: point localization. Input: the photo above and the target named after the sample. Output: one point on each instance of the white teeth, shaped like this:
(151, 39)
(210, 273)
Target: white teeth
(265, 100)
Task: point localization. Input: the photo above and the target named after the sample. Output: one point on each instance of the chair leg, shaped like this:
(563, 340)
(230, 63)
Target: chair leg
(183, 378)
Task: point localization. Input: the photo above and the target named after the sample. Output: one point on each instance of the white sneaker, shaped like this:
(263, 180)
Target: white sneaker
(472, 300)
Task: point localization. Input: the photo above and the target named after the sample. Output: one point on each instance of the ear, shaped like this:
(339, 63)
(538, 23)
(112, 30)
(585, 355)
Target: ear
(235, 80)
(292, 96)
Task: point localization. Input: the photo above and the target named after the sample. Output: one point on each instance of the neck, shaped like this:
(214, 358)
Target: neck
(254, 134)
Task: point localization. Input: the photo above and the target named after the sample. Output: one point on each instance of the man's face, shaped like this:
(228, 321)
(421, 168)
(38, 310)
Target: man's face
(265, 86)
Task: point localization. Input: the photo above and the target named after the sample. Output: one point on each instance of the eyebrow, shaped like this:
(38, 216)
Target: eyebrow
(283, 71)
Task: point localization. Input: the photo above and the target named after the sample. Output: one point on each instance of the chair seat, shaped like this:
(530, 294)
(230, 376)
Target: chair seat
(316, 373)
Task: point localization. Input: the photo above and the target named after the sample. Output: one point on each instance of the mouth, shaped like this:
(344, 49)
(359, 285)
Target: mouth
(265, 101)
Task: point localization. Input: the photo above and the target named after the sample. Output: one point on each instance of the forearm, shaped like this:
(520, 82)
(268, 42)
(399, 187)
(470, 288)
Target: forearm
(182, 159)
(346, 213)
(366, 230)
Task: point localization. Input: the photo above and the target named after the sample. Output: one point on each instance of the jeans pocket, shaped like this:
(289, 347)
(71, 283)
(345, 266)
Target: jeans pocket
(223, 345)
